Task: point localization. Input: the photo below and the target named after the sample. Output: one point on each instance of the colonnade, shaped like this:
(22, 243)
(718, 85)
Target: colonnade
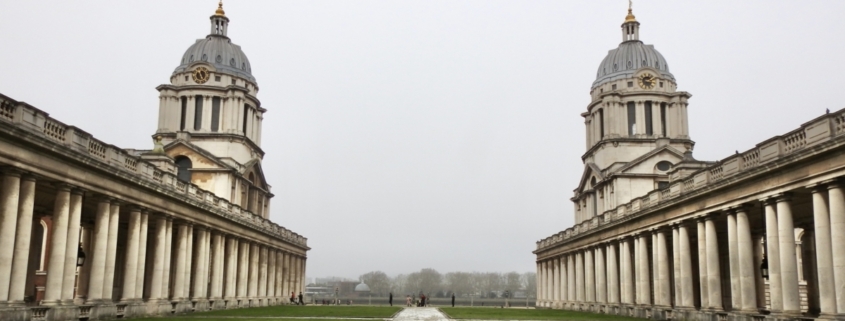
(711, 262)
(157, 258)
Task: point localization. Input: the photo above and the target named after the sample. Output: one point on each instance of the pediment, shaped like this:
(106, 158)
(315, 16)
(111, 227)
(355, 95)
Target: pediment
(590, 171)
(646, 163)
(253, 167)
(200, 158)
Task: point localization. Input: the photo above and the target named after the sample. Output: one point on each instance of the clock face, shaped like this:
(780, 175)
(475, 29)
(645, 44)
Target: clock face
(200, 75)
(647, 81)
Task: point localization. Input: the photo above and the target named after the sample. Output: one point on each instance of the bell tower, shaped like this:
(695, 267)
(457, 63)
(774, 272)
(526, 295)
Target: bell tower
(636, 126)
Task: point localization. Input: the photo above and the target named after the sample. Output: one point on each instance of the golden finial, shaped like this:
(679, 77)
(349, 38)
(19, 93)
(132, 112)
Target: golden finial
(630, 17)
(219, 11)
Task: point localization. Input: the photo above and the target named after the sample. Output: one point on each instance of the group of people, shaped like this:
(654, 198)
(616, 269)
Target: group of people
(296, 300)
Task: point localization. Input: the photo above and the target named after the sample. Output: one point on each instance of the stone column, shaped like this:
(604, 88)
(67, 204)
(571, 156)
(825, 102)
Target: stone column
(601, 281)
(98, 256)
(824, 251)
(199, 264)
(624, 271)
(579, 277)
(286, 288)
(130, 268)
(745, 253)
(703, 281)
(231, 267)
(243, 271)
(302, 275)
(663, 289)
(563, 279)
(181, 263)
(570, 277)
(645, 294)
(9, 198)
(837, 236)
(612, 274)
(788, 261)
(543, 280)
(72, 246)
(111, 251)
(55, 268)
(555, 277)
(82, 282)
(271, 274)
(714, 285)
(262, 272)
(253, 272)
(685, 254)
(589, 276)
(22, 240)
(676, 265)
(773, 256)
(158, 258)
(168, 244)
(280, 276)
(142, 256)
(217, 272)
(733, 261)
(190, 264)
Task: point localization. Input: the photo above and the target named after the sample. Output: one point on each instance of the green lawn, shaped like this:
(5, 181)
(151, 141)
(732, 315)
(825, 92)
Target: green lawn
(304, 311)
(527, 314)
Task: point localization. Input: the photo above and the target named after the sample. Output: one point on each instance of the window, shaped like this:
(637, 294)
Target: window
(197, 112)
(630, 84)
(613, 87)
(186, 78)
(664, 166)
(183, 165)
(601, 123)
(215, 114)
(649, 128)
(601, 90)
(662, 185)
(246, 114)
(233, 82)
(663, 119)
(632, 118)
(217, 78)
(661, 84)
(184, 111)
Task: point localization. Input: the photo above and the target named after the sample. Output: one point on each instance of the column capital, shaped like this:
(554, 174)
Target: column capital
(783, 197)
(768, 200)
(11, 171)
(833, 183)
(64, 186)
(744, 207)
(78, 191)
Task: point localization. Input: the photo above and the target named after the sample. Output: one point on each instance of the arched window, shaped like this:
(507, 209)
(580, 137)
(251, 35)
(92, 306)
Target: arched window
(183, 165)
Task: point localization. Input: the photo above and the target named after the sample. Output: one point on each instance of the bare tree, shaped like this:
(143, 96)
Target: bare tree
(459, 282)
(378, 282)
(512, 282)
(529, 282)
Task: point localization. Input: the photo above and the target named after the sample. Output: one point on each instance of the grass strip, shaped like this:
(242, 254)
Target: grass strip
(527, 314)
(307, 311)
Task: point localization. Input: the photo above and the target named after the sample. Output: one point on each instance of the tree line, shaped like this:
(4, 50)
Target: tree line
(431, 282)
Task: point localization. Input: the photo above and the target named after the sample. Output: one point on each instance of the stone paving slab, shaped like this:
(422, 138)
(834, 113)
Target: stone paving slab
(420, 314)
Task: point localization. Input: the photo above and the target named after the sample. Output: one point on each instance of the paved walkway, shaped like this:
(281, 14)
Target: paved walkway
(420, 314)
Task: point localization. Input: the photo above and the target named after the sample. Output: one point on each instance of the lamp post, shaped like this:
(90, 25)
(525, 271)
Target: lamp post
(336, 299)
(507, 295)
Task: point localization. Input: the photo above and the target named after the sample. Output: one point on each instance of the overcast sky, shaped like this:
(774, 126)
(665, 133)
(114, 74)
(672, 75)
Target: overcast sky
(409, 134)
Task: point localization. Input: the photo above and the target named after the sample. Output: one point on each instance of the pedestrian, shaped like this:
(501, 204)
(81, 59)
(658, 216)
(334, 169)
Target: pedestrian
(300, 299)
(453, 299)
(390, 299)
(422, 300)
(407, 300)
(292, 298)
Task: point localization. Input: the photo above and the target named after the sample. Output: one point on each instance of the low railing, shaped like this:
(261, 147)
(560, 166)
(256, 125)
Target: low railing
(819, 130)
(38, 122)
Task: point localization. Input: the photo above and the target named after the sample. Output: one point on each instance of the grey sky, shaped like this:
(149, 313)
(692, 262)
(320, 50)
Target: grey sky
(412, 134)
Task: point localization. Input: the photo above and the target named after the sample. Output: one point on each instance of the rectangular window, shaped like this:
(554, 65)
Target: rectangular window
(217, 78)
(613, 87)
(215, 114)
(630, 84)
(184, 112)
(649, 128)
(246, 115)
(198, 112)
(601, 123)
(663, 119)
(632, 118)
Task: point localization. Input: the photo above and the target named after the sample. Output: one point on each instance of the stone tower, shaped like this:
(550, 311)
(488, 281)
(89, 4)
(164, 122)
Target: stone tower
(636, 126)
(210, 119)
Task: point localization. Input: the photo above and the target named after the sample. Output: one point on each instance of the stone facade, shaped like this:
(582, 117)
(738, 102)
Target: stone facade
(697, 247)
(89, 230)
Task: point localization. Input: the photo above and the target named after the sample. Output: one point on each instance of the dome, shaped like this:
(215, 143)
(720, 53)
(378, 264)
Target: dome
(363, 287)
(220, 52)
(624, 61)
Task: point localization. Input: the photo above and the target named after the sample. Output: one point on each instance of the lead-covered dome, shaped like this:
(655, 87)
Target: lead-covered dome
(218, 50)
(625, 60)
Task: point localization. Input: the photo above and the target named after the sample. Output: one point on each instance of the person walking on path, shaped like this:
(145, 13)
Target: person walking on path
(408, 300)
(453, 299)
(390, 299)
(300, 299)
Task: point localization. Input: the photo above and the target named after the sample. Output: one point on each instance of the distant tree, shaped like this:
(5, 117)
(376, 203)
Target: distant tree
(491, 295)
(458, 282)
(378, 282)
(529, 283)
(512, 282)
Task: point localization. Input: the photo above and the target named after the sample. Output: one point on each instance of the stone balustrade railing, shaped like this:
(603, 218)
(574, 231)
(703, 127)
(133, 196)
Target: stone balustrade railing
(811, 133)
(36, 121)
